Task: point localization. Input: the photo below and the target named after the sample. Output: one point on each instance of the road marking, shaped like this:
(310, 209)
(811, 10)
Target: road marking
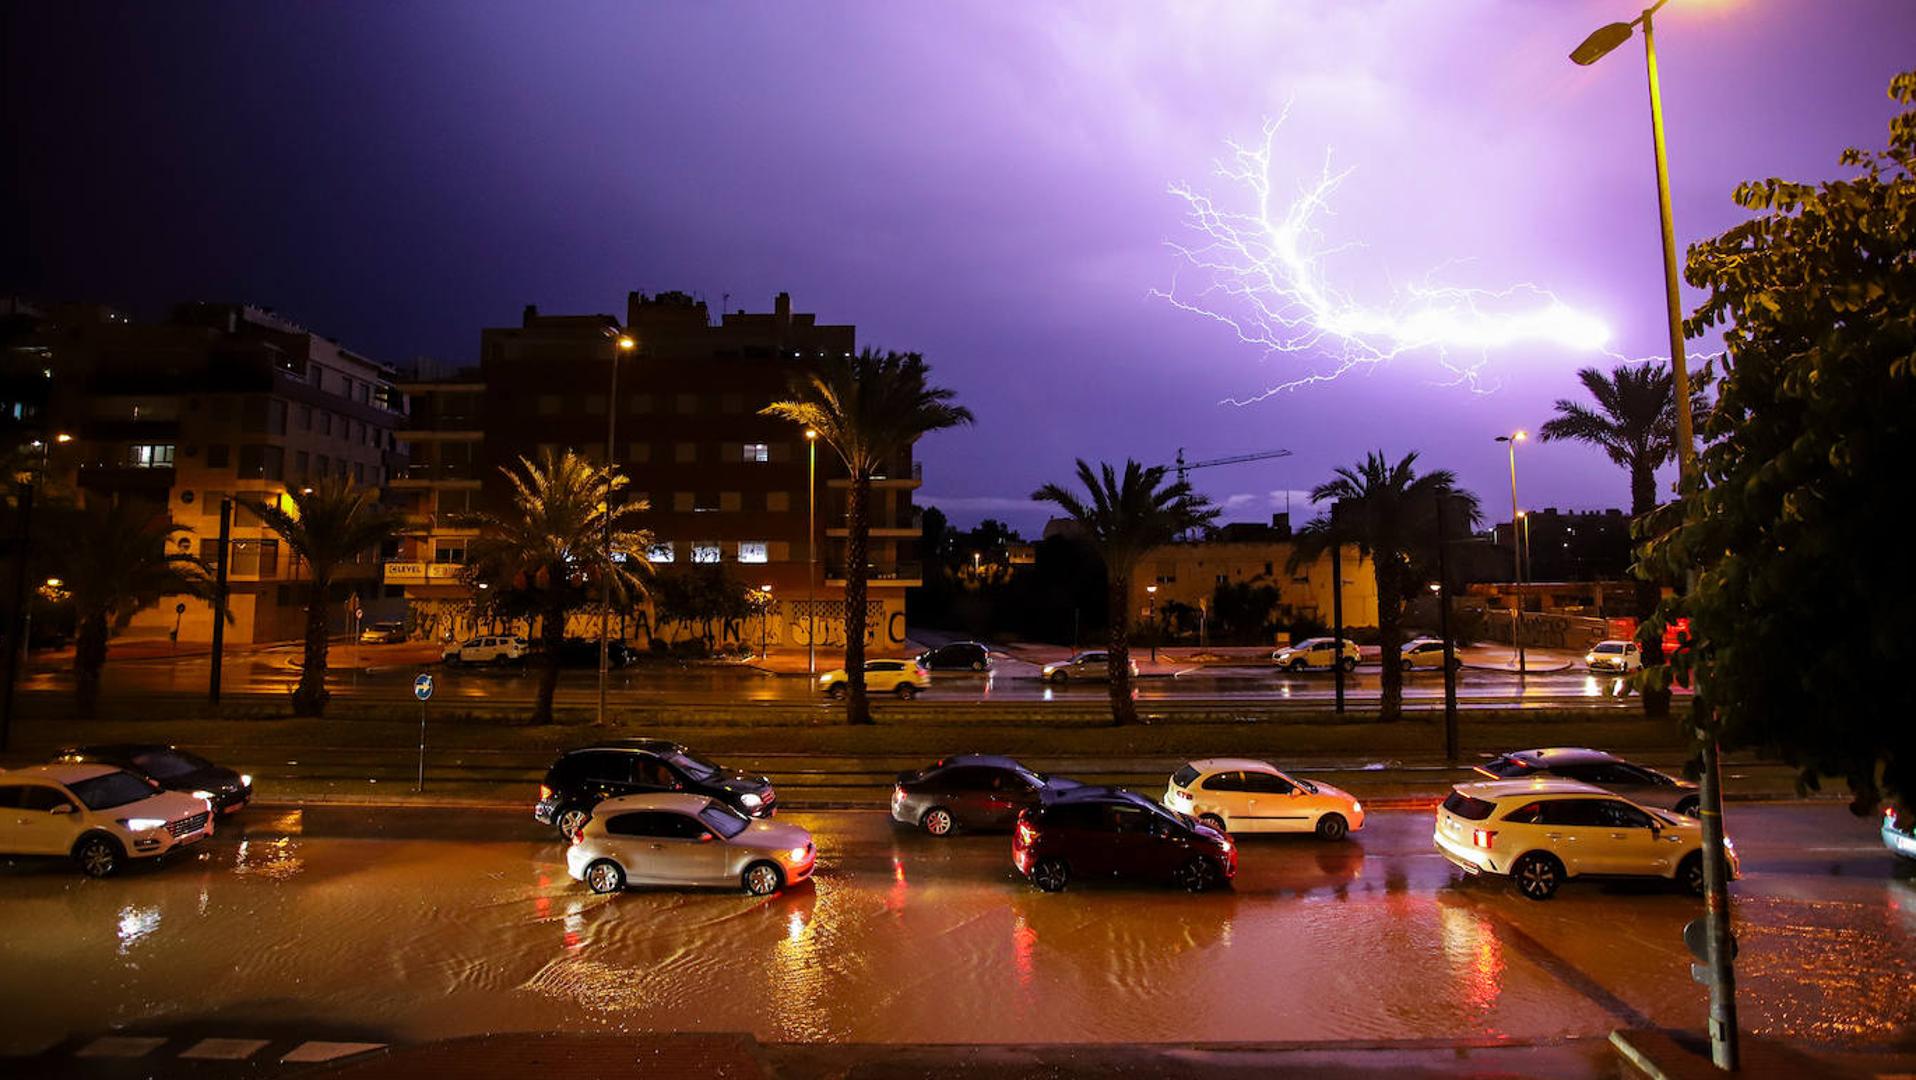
(328, 1051)
(120, 1046)
(224, 1049)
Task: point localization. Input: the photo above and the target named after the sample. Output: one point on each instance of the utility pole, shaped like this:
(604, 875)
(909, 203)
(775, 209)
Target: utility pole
(1337, 600)
(20, 627)
(1443, 627)
(219, 601)
(622, 345)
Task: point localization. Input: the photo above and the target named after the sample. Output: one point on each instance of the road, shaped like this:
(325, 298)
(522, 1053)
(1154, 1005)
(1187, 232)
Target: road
(399, 926)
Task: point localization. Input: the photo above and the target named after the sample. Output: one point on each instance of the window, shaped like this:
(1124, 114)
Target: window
(1527, 814)
(217, 455)
(1620, 815)
(778, 502)
(455, 502)
(682, 502)
(731, 501)
(609, 766)
(325, 465)
(1264, 783)
(276, 417)
(686, 404)
(662, 552)
(302, 463)
(732, 404)
(41, 798)
(1575, 812)
(1469, 809)
(752, 551)
(705, 551)
(261, 462)
(723, 820)
(685, 453)
(639, 453)
(305, 418)
(1184, 776)
(325, 422)
(1225, 781)
(639, 403)
(359, 473)
(150, 455)
(550, 404)
(595, 404)
(449, 551)
(757, 452)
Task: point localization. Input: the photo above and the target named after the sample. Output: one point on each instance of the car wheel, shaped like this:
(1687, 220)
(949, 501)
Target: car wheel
(1687, 807)
(1051, 875)
(1347, 664)
(99, 856)
(605, 876)
(1199, 875)
(1690, 874)
(836, 691)
(906, 691)
(1409, 665)
(570, 821)
(1060, 678)
(501, 660)
(1295, 666)
(1332, 827)
(938, 821)
(762, 879)
(1538, 875)
(1214, 822)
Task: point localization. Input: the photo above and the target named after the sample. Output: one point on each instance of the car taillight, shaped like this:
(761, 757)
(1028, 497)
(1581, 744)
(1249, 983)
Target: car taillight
(1483, 838)
(577, 835)
(1889, 815)
(544, 793)
(1027, 835)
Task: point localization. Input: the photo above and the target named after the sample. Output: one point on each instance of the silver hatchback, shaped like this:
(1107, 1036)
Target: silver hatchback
(680, 839)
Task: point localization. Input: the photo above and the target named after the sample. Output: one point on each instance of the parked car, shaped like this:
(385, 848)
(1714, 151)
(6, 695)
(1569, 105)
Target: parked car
(1637, 783)
(1317, 653)
(584, 653)
(906, 678)
(1094, 666)
(170, 767)
(1620, 657)
(383, 633)
(1899, 832)
(1423, 652)
(97, 815)
(682, 839)
(1090, 833)
(957, 656)
(581, 779)
(489, 649)
(1541, 833)
(1242, 795)
(970, 791)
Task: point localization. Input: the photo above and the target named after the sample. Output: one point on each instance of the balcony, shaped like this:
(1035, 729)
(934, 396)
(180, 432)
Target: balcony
(903, 479)
(910, 527)
(896, 575)
(404, 572)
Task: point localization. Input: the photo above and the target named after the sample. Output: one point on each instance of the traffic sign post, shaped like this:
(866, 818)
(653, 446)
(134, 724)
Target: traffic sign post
(422, 689)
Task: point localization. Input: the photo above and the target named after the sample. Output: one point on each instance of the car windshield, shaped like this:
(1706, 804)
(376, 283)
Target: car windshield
(694, 766)
(1303, 783)
(113, 789)
(723, 820)
(167, 764)
(1610, 647)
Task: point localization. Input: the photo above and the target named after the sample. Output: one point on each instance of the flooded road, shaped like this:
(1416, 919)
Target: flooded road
(422, 924)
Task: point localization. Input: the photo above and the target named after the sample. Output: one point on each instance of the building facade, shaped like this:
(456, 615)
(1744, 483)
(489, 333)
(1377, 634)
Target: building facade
(1189, 573)
(724, 485)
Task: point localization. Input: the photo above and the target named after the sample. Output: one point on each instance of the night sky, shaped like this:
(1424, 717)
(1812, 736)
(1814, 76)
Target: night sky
(983, 182)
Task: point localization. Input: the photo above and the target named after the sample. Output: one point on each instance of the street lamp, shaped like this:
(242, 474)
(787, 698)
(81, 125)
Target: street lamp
(1716, 891)
(622, 345)
(764, 613)
(1152, 592)
(811, 551)
(1516, 552)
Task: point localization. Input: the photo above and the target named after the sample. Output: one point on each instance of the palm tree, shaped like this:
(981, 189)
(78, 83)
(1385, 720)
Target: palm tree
(870, 408)
(1125, 517)
(328, 526)
(1634, 424)
(546, 556)
(117, 558)
(1390, 512)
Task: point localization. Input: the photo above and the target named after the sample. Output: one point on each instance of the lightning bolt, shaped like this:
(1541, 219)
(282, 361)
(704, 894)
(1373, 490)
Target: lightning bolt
(1264, 276)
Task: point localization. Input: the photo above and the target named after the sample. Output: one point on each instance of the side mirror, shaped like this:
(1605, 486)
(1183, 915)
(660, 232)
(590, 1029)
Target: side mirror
(63, 808)
(705, 838)
(1295, 792)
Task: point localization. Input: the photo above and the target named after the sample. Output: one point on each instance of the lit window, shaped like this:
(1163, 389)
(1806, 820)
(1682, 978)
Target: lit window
(757, 451)
(150, 455)
(661, 552)
(704, 552)
(752, 551)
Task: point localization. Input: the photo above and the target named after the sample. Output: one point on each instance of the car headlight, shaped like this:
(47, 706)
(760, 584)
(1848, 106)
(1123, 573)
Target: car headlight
(797, 854)
(825, 678)
(143, 824)
(246, 779)
(750, 799)
(1049, 669)
(205, 795)
(1356, 807)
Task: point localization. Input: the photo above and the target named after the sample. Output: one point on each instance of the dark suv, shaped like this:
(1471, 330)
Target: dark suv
(581, 778)
(957, 656)
(1641, 785)
(970, 791)
(171, 768)
(1104, 832)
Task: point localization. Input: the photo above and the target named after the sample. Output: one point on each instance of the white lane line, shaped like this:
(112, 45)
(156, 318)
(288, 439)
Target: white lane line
(224, 1049)
(328, 1051)
(120, 1046)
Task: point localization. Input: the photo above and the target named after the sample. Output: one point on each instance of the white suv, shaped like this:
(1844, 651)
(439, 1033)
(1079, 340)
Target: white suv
(98, 815)
(1541, 832)
(491, 649)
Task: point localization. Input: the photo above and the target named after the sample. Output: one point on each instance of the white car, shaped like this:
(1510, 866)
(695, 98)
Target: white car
(1094, 666)
(1541, 833)
(682, 839)
(1426, 652)
(489, 649)
(1318, 652)
(906, 678)
(98, 815)
(1241, 795)
(1621, 657)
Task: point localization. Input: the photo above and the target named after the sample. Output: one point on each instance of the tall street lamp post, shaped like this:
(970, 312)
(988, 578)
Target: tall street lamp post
(1718, 945)
(620, 347)
(1516, 553)
(1152, 592)
(18, 644)
(764, 614)
(811, 552)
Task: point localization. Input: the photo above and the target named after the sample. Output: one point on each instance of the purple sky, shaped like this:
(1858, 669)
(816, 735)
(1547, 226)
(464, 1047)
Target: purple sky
(984, 182)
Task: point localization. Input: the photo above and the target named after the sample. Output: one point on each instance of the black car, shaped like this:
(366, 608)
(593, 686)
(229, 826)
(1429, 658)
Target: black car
(957, 656)
(580, 778)
(970, 791)
(1093, 833)
(171, 768)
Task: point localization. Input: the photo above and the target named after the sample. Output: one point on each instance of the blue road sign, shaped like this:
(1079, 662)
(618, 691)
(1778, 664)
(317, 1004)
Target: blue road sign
(422, 688)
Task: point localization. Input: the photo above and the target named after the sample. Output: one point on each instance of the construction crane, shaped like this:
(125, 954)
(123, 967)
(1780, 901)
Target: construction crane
(1184, 467)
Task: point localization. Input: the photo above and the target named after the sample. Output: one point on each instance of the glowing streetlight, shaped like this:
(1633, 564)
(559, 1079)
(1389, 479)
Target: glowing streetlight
(1516, 552)
(811, 551)
(1151, 591)
(622, 345)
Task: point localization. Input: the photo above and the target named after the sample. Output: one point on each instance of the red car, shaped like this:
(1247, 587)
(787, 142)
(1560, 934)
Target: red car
(1096, 833)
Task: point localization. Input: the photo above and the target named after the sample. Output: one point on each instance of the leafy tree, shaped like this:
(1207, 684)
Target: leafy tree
(545, 556)
(1798, 608)
(1634, 424)
(117, 558)
(1122, 517)
(870, 408)
(1390, 512)
(328, 525)
(702, 594)
(1241, 611)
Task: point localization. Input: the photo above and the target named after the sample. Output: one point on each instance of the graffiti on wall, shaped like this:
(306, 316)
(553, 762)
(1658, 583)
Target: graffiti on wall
(783, 622)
